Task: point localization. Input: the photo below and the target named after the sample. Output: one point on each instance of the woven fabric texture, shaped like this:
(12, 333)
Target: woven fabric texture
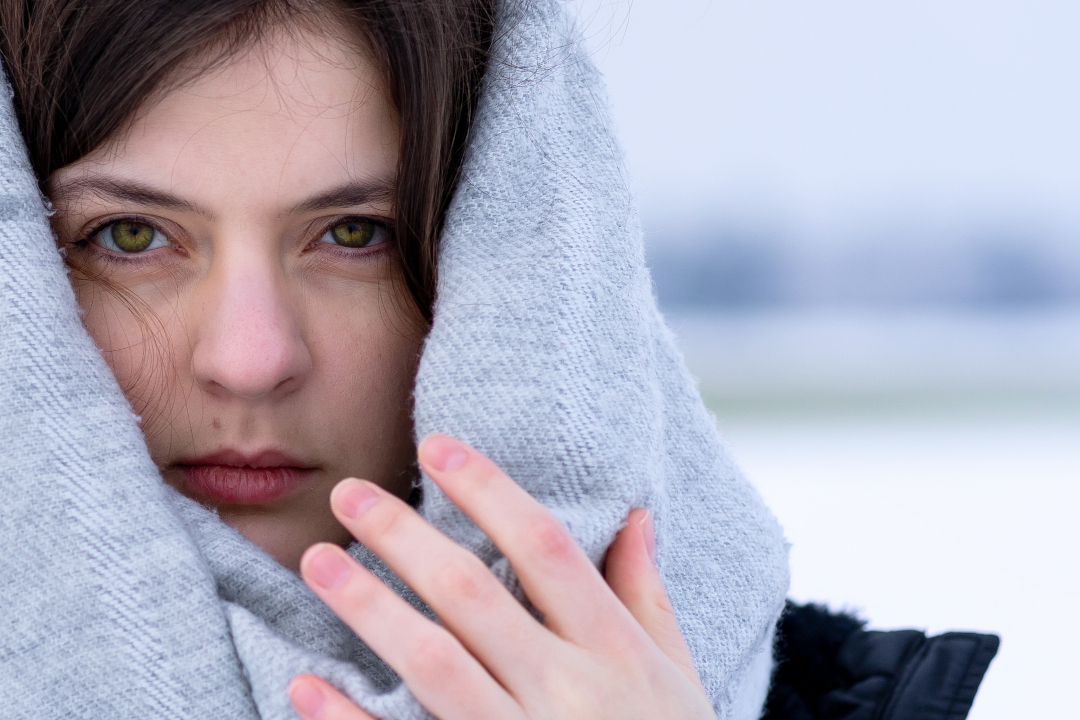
(123, 599)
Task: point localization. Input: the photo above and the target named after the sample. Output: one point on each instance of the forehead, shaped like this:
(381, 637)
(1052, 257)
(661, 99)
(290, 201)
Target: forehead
(297, 110)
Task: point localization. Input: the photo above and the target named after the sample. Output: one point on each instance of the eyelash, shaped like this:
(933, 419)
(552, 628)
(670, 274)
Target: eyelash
(384, 225)
(87, 239)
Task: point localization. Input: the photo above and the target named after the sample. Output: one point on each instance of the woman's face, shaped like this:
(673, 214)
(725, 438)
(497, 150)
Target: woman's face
(233, 248)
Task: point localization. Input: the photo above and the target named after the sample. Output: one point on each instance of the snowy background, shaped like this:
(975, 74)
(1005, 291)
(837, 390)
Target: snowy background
(864, 224)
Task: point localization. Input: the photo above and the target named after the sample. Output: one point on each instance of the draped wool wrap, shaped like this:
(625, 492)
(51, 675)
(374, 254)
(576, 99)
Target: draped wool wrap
(122, 599)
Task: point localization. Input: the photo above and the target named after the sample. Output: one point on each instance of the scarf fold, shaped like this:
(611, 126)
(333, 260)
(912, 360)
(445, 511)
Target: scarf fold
(123, 599)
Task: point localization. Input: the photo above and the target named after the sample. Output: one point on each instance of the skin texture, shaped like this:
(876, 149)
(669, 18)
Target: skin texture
(245, 332)
(605, 650)
(243, 326)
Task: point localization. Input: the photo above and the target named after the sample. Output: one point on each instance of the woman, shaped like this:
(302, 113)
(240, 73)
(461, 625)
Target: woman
(257, 201)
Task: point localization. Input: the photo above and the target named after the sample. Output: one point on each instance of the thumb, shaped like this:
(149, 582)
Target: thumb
(631, 573)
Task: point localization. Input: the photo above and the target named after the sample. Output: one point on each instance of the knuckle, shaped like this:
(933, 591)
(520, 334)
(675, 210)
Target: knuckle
(365, 594)
(485, 475)
(661, 610)
(436, 656)
(550, 541)
(570, 695)
(663, 607)
(386, 520)
(627, 645)
(466, 578)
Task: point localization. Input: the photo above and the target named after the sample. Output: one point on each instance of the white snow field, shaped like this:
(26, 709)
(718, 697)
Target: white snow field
(926, 471)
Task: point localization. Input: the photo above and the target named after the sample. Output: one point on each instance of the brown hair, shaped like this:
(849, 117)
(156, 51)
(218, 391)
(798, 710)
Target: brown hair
(77, 81)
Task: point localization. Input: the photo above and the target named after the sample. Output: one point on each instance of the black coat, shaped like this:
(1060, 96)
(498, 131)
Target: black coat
(828, 667)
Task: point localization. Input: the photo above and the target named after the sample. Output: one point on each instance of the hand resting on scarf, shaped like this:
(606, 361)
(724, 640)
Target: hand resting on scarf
(605, 649)
(293, 238)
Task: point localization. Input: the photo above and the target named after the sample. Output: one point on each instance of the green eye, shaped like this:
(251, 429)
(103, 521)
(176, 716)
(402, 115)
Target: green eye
(354, 233)
(131, 237)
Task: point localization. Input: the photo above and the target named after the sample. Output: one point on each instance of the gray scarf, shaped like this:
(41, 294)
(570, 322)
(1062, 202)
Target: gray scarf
(122, 599)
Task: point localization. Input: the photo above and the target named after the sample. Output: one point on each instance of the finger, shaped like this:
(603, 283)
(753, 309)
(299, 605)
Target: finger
(468, 599)
(631, 572)
(315, 699)
(443, 676)
(554, 571)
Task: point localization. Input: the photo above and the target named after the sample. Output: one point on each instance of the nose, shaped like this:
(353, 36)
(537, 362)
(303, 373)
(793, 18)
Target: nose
(248, 342)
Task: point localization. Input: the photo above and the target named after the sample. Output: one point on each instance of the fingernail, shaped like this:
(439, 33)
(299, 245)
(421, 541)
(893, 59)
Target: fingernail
(327, 569)
(307, 698)
(650, 537)
(352, 497)
(444, 453)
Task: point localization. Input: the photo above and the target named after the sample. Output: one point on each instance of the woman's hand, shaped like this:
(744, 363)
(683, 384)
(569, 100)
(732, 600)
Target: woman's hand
(605, 650)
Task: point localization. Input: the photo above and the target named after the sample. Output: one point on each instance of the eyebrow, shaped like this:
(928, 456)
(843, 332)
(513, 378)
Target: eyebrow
(349, 194)
(130, 192)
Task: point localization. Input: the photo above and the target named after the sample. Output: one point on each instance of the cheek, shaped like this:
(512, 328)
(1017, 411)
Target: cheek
(366, 357)
(136, 344)
(368, 364)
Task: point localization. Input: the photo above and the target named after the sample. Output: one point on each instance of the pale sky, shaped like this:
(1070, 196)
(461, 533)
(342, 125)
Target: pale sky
(827, 113)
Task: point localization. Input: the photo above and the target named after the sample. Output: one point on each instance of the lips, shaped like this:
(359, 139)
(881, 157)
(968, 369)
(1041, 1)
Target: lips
(233, 478)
